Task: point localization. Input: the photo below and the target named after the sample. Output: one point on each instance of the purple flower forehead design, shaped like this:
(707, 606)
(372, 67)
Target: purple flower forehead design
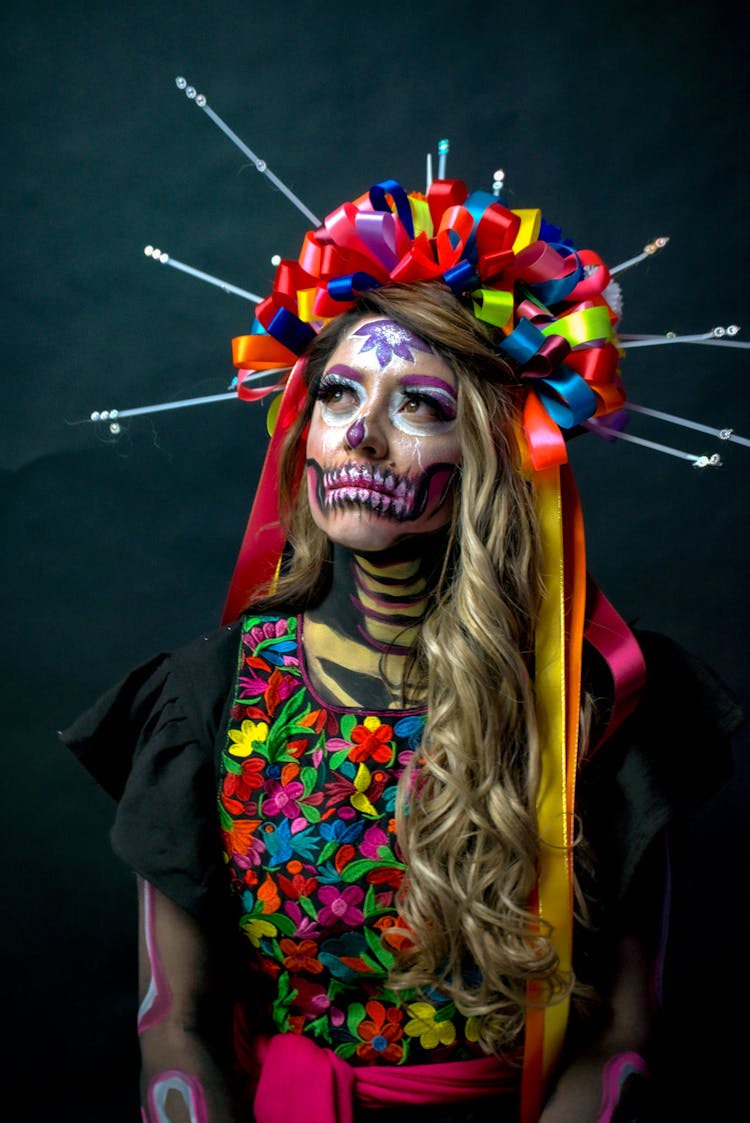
(388, 338)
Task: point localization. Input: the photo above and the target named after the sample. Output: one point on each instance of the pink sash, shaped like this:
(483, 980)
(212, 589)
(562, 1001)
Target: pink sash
(299, 1080)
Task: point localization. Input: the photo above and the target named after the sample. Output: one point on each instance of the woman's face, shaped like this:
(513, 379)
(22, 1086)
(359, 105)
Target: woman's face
(382, 447)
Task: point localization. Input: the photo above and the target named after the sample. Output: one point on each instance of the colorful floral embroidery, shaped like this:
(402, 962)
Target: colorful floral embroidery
(428, 1026)
(306, 803)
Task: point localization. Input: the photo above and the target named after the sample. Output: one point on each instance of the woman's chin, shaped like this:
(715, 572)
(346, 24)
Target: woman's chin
(369, 532)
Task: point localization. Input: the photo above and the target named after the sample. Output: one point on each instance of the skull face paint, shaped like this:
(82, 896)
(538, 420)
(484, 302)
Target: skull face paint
(382, 449)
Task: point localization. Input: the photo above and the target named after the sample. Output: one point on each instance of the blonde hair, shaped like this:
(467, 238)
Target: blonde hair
(465, 804)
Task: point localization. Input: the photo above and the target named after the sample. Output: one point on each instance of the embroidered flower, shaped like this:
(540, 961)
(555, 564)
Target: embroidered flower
(340, 906)
(278, 690)
(250, 734)
(282, 794)
(372, 842)
(240, 785)
(337, 830)
(372, 741)
(423, 1025)
(298, 885)
(380, 1034)
(267, 629)
(281, 799)
(300, 955)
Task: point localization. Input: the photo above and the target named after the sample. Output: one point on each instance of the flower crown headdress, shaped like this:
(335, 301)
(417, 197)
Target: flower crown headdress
(555, 308)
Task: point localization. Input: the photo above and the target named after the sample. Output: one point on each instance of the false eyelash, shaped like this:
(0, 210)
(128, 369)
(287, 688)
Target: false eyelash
(331, 382)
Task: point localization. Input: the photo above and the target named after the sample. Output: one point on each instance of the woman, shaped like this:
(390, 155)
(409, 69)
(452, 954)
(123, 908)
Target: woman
(374, 729)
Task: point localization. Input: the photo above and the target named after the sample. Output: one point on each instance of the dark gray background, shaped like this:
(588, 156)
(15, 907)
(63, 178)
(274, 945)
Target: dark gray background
(622, 122)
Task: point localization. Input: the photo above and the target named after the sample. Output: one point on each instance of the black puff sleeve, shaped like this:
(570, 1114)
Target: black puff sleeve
(150, 743)
(671, 755)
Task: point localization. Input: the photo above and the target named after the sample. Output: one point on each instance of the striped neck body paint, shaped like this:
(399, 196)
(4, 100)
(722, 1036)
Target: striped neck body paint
(360, 640)
(383, 448)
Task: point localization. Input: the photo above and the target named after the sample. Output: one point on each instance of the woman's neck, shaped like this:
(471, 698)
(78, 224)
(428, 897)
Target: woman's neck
(360, 641)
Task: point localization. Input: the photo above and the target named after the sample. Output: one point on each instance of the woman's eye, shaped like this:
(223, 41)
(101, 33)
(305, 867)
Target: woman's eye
(421, 405)
(336, 396)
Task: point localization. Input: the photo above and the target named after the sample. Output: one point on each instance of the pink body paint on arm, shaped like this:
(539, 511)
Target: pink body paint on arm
(614, 1074)
(158, 998)
(187, 1088)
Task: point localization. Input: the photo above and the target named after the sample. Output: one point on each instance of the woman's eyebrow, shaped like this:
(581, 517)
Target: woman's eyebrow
(345, 371)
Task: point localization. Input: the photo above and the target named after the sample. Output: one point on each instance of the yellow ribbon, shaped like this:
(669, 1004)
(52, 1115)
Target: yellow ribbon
(558, 641)
(421, 217)
(528, 231)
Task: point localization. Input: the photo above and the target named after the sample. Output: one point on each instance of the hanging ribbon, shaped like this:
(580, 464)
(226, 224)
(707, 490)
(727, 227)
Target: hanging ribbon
(263, 542)
(559, 640)
(609, 635)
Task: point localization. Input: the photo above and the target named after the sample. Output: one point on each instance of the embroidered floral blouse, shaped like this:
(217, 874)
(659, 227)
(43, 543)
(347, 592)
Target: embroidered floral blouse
(306, 804)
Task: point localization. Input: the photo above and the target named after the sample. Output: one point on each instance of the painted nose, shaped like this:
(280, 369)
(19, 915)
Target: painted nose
(355, 434)
(367, 437)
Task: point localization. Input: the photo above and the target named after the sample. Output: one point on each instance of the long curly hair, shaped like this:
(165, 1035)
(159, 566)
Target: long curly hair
(465, 805)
